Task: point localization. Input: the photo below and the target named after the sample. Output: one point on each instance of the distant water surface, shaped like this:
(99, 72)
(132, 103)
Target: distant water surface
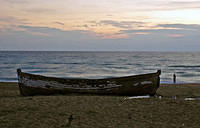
(101, 64)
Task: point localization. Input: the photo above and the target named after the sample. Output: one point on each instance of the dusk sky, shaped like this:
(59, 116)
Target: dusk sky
(100, 25)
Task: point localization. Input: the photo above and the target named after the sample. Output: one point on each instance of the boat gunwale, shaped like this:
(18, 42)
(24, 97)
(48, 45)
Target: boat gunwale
(36, 76)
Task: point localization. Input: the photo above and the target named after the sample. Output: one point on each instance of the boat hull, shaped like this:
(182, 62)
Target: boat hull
(145, 84)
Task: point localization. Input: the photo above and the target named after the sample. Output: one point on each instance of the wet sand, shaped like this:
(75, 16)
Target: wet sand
(170, 111)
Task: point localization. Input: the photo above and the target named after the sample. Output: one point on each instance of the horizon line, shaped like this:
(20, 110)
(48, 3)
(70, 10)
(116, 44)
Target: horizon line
(95, 51)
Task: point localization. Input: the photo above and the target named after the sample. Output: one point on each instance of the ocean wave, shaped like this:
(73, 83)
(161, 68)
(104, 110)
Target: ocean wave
(42, 68)
(66, 63)
(189, 75)
(185, 66)
(8, 79)
(37, 71)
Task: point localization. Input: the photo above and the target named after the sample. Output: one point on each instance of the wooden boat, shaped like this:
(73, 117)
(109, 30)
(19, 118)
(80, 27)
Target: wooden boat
(145, 84)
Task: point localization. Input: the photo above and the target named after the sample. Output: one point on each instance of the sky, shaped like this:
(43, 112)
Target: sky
(100, 25)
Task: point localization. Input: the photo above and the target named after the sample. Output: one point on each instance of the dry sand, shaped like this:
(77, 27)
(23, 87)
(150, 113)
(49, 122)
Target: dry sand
(101, 111)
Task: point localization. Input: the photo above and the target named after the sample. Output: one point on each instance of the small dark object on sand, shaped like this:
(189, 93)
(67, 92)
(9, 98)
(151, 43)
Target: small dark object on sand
(69, 121)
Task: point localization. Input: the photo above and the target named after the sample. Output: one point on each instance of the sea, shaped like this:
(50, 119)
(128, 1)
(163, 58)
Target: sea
(76, 64)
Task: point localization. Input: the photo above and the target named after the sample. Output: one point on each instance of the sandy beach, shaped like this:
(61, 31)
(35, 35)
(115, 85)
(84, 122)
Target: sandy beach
(172, 110)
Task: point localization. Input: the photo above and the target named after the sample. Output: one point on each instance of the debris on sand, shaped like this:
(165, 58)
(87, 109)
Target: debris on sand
(190, 98)
(138, 97)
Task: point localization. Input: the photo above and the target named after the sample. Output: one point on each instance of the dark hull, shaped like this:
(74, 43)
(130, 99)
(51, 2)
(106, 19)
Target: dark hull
(145, 84)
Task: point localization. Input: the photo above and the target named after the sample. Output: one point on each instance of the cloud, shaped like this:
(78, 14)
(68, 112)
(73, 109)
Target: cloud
(151, 31)
(39, 10)
(11, 23)
(185, 2)
(33, 37)
(109, 15)
(60, 23)
(16, 1)
(57, 33)
(117, 24)
(82, 26)
(10, 19)
(166, 29)
(122, 24)
(179, 5)
(166, 5)
(94, 23)
(175, 35)
(181, 26)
